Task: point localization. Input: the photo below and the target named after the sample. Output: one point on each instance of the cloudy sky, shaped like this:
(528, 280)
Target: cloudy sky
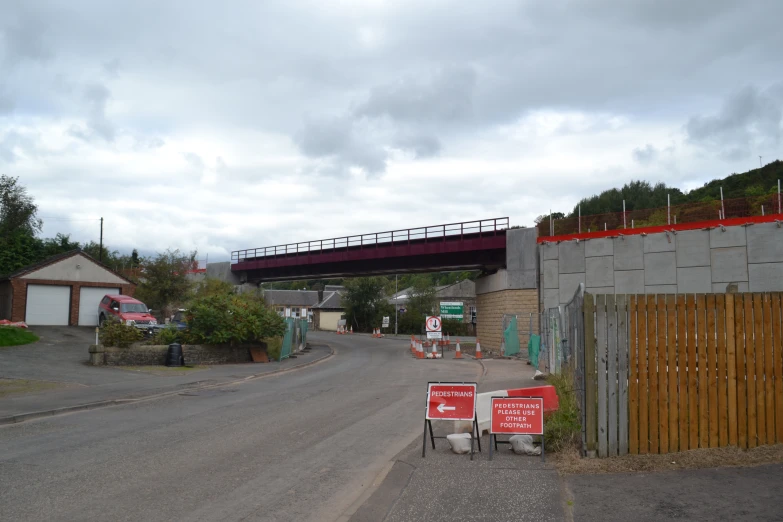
(224, 125)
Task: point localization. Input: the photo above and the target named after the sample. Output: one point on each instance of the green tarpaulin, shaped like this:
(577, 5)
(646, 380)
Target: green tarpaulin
(533, 349)
(511, 337)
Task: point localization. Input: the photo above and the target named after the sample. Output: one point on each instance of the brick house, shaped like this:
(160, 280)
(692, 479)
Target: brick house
(61, 290)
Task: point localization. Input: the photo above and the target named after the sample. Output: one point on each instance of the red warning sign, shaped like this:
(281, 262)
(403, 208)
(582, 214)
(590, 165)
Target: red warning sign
(517, 415)
(451, 401)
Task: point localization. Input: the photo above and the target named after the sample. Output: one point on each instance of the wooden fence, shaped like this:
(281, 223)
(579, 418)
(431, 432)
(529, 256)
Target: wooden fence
(679, 372)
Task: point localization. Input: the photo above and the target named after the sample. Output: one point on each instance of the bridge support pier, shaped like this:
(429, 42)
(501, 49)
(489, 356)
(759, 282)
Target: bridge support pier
(513, 290)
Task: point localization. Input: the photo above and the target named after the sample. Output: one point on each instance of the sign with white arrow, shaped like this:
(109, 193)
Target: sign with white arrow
(451, 401)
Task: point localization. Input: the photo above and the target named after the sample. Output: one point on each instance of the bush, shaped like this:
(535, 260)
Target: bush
(456, 328)
(116, 333)
(232, 319)
(166, 336)
(274, 345)
(563, 428)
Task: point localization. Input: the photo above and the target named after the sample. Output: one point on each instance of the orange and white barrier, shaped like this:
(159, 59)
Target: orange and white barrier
(478, 349)
(458, 354)
(484, 400)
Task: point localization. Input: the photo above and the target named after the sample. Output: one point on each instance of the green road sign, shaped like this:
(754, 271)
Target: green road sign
(452, 310)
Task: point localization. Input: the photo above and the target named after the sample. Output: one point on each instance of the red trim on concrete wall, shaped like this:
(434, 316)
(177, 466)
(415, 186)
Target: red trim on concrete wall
(699, 225)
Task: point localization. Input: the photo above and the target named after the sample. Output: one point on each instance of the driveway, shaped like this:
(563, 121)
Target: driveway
(751, 493)
(60, 356)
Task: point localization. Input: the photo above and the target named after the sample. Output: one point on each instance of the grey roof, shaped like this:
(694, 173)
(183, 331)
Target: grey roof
(59, 257)
(332, 301)
(291, 297)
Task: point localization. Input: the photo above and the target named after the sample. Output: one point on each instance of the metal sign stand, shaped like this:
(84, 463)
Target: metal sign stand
(474, 436)
(493, 438)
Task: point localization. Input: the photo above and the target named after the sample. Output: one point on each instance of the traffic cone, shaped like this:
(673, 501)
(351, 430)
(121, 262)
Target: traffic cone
(478, 349)
(458, 355)
(434, 351)
(351, 329)
(448, 341)
(420, 350)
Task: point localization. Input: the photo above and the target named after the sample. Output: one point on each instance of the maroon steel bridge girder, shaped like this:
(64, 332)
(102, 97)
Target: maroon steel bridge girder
(458, 246)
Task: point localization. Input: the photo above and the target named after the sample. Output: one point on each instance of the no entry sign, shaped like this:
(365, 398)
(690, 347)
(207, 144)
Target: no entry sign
(451, 401)
(517, 415)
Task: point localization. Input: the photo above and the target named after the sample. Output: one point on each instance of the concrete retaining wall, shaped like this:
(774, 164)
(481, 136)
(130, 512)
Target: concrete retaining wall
(739, 258)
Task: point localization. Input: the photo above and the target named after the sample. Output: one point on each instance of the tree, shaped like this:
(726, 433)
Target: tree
(365, 302)
(164, 282)
(422, 296)
(102, 253)
(17, 209)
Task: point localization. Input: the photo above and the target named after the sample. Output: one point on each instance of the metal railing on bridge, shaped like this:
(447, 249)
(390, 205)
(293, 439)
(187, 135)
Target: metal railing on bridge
(450, 230)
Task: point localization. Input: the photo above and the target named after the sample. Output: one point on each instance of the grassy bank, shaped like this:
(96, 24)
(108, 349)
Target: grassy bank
(562, 429)
(13, 336)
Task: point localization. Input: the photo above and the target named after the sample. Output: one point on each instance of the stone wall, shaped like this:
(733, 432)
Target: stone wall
(490, 309)
(741, 258)
(152, 355)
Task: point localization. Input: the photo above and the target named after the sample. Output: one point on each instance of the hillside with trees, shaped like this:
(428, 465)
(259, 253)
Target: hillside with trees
(643, 195)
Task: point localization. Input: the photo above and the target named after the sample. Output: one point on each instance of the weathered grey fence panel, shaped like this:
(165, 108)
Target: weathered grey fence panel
(603, 418)
(611, 341)
(622, 371)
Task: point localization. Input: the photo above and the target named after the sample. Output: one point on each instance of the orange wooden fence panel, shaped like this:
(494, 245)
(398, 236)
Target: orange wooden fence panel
(703, 371)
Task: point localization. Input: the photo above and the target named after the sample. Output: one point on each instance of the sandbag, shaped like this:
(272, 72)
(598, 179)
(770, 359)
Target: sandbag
(523, 445)
(460, 442)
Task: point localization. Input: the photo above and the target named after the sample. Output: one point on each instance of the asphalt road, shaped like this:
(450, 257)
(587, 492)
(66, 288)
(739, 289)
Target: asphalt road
(303, 445)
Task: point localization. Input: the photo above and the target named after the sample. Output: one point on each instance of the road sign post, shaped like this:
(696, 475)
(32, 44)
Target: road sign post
(433, 325)
(516, 416)
(455, 401)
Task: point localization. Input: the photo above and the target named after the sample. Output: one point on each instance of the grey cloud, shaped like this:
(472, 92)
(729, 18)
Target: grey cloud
(97, 96)
(22, 32)
(6, 103)
(195, 161)
(645, 155)
(445, 97)
(394, 116)
(12, 143)
(342, 140)
(748, 118)
(421, 145)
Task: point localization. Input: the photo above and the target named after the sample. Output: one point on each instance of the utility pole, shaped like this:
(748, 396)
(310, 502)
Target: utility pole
(395, 304)
(100, 247)
(760, 162)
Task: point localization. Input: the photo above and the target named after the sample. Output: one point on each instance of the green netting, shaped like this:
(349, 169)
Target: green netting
(511, 337)
(533, 349)
(288, 339)
(303, 328)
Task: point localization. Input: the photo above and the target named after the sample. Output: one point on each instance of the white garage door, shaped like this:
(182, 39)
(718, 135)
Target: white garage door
(89, 299)
(48, 305)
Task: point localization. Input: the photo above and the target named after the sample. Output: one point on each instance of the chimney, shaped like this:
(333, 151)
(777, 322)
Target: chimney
(320, 295)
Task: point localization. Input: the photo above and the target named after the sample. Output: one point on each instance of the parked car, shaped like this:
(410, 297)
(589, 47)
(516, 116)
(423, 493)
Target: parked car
(128, 310)
(178, 319)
